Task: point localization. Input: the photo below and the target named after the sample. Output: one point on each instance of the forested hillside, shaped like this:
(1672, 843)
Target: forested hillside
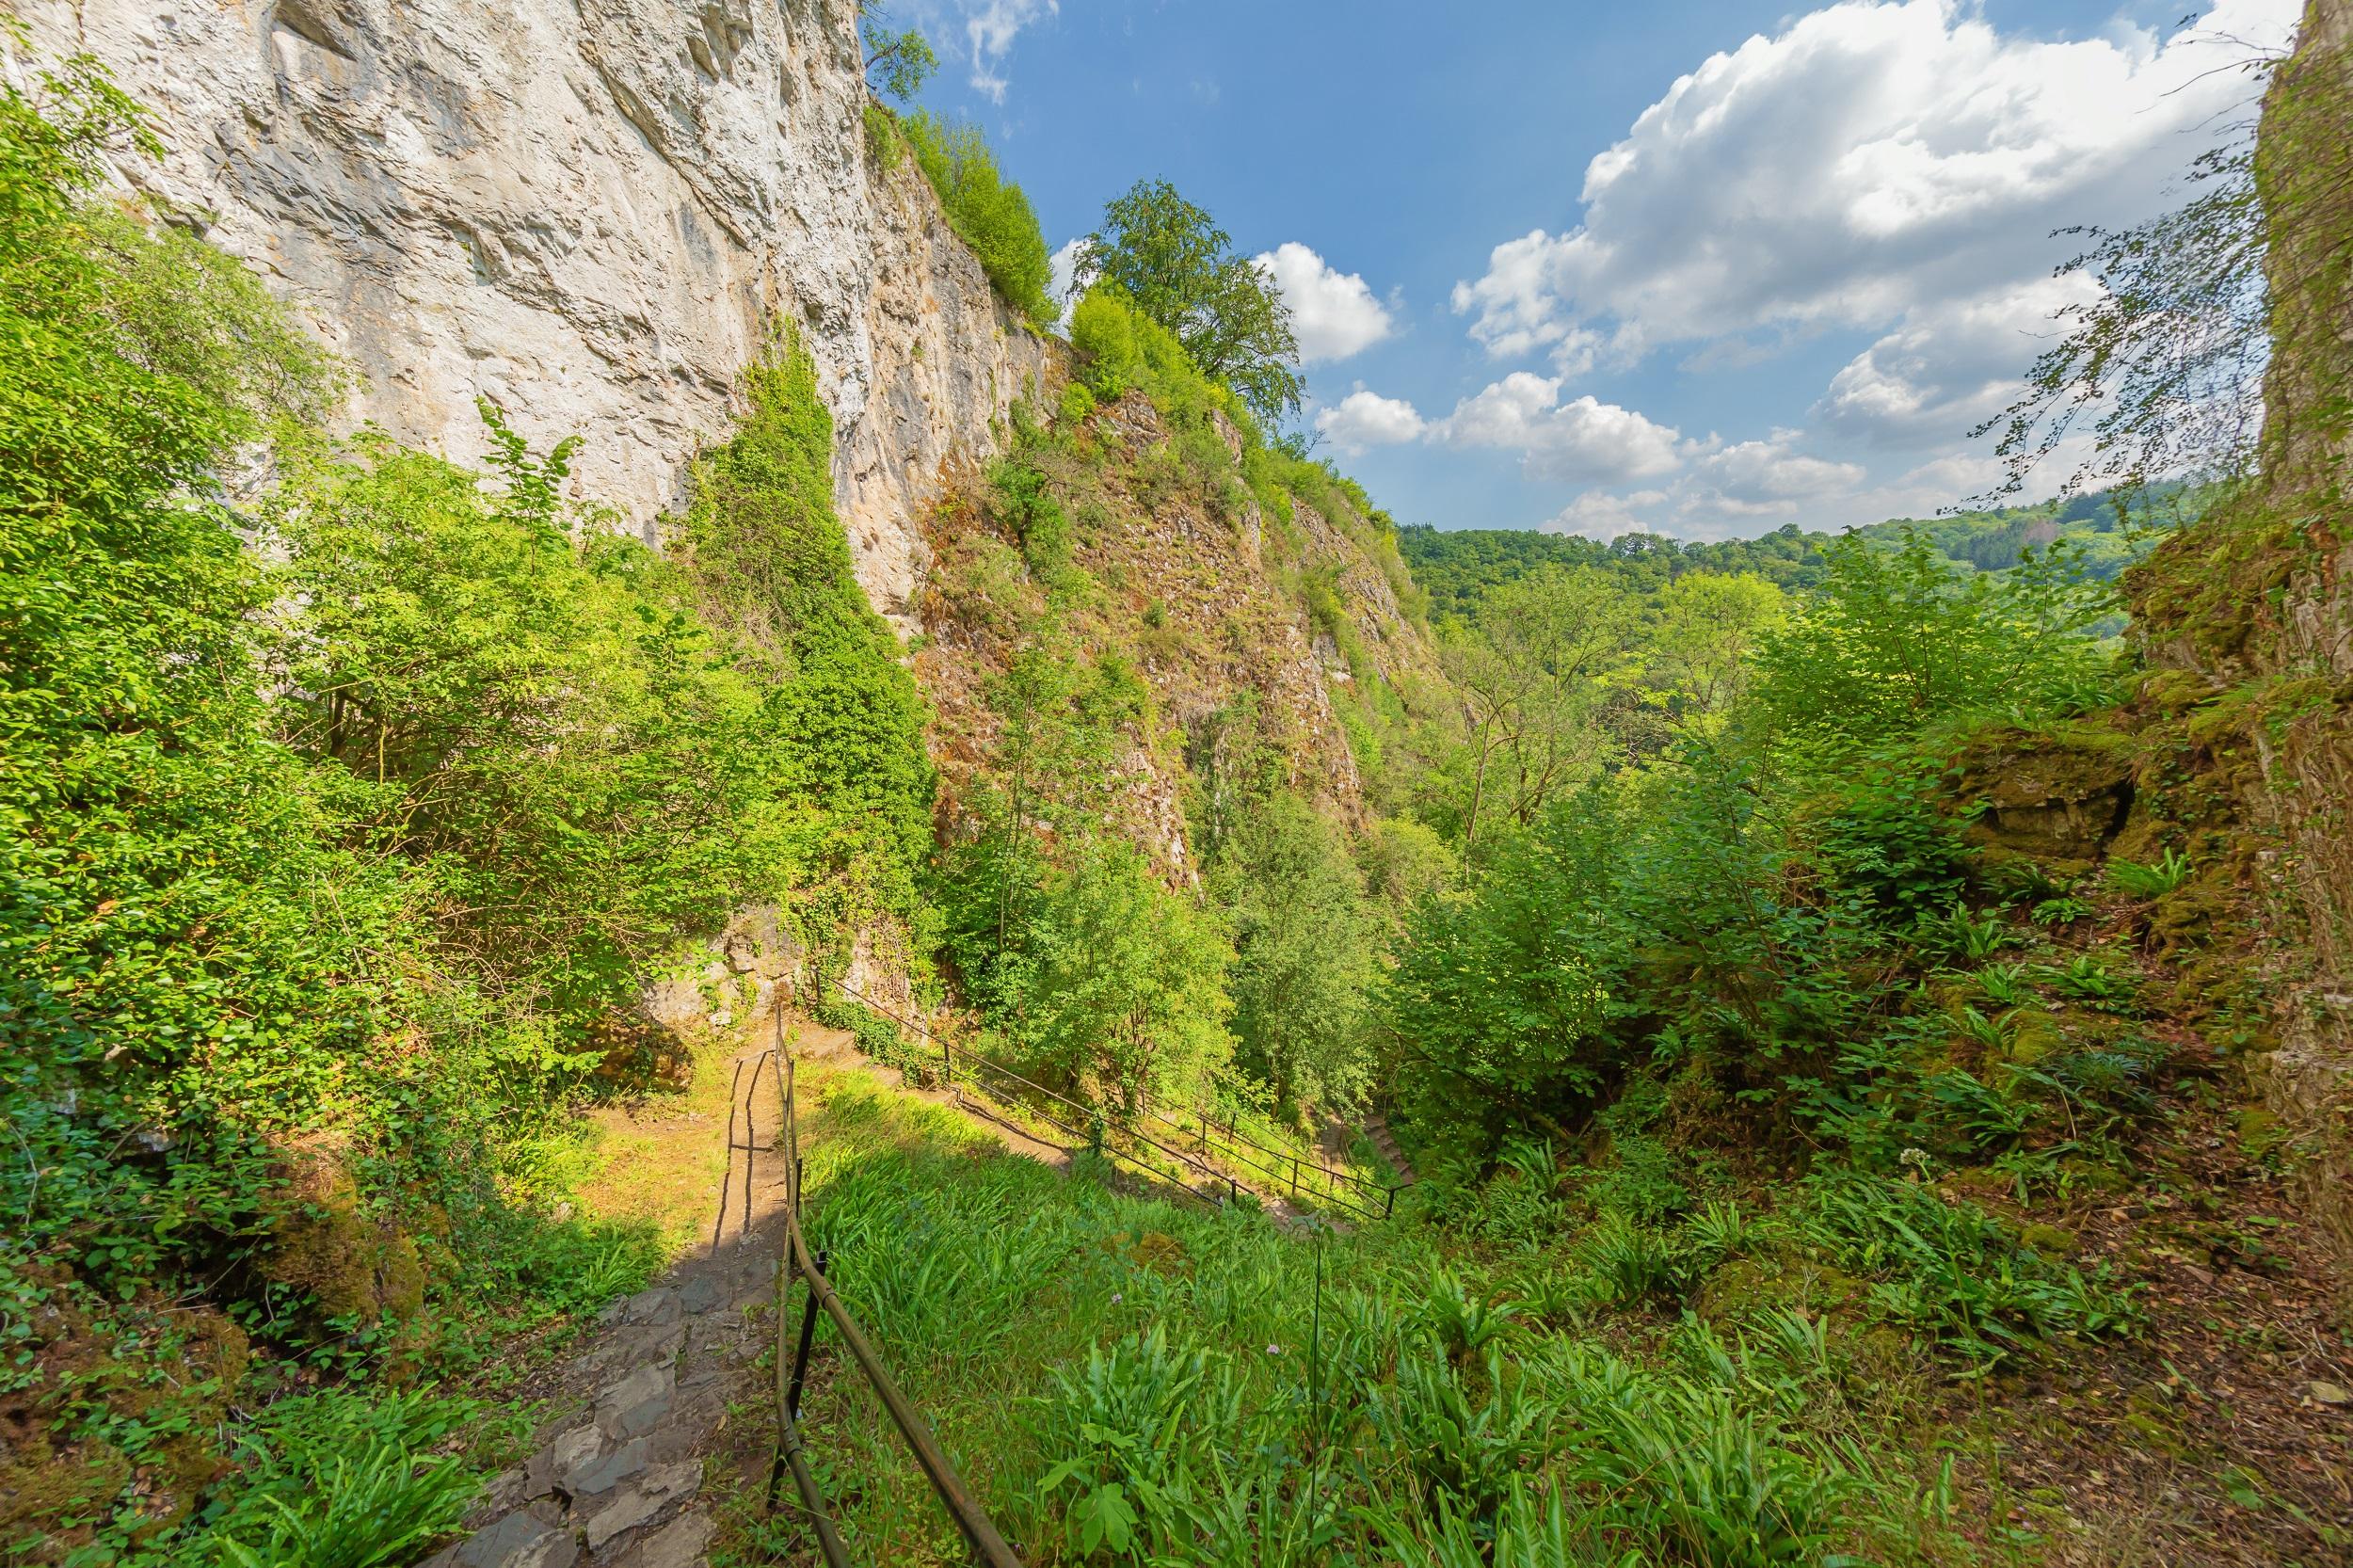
(2107, 532)
(1870, 1042)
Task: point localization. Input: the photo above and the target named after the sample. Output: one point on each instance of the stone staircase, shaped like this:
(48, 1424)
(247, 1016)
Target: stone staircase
(1384, 1143)
(617, 1479)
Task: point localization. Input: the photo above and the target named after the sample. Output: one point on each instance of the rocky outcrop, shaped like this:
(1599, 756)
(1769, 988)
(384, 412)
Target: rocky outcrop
(2250, 613)
(1188, 586)
(594, 214)
(2057, 796)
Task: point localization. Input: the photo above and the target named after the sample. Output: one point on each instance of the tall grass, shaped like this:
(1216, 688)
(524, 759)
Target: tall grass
(1130, 1380)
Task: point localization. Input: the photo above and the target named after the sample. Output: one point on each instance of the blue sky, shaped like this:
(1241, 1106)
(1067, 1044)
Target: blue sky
(1756, 265)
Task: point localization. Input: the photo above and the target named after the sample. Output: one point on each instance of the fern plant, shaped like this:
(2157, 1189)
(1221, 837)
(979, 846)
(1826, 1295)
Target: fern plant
(2154, 880)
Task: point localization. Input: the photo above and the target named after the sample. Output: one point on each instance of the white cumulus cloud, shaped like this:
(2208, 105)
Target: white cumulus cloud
(989, 28)
(1867, 159)
(1063, 284)
(1947, 366)
(1770, 477)
(1334, 313)
(1364, 420)
(1583, 439)
(1599, 515)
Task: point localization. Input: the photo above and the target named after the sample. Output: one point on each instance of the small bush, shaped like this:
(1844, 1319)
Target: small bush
(1127, 350)
(988, 212)
(2154, 880)
(1957, 1272)
(1691, 1477)
(342, 1480)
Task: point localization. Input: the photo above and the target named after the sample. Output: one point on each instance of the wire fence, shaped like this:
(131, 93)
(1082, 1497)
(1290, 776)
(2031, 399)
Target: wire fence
(799, 1264)
(1214, 1152)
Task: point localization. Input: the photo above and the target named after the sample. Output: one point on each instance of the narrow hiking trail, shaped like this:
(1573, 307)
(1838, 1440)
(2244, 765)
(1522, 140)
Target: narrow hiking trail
(649, 1426)
(626, 1468)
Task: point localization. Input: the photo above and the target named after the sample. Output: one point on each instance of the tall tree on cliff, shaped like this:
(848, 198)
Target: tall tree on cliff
(1181, 269)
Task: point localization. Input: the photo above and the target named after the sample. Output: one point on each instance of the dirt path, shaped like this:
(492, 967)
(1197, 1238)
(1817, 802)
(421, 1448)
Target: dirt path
(617, 1479)
(628, 1470)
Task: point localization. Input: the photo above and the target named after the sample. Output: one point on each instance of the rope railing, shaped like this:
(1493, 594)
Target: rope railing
(797, 1263)
(1360, 1196)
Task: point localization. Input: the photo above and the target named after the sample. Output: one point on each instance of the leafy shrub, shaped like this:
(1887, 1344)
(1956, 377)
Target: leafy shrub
(1129, 985)
(1643, 1181)
(1459, 1321)
(1180, 270)
(1465, 1440)
(341, 1479)
(1958, 934)
(1630, 1262)
(1896, 641)
(1885, 844)
(1139, 1416)
(1956, 1271)
(1304, 953)
(1022, 501)
(1679, 1468)
(187, 946)
(1128, 351)
(988, 212)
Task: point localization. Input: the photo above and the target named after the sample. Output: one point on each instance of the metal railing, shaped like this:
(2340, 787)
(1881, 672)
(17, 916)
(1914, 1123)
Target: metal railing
(798, 1263)
(1279, 1169)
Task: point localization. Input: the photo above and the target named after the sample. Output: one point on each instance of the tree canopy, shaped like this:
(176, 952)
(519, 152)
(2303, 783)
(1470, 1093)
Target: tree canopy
(1181, 270)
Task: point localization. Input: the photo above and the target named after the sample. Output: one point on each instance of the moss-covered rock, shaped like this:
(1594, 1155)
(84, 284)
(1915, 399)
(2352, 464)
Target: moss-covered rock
(351, 1264)
(2055, 793)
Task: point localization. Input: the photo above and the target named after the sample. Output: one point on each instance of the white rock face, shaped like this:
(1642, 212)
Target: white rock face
(593, 212)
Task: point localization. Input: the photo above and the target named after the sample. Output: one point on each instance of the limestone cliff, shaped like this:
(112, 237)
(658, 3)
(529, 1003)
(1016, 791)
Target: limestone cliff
(598, 214)
(592, 214)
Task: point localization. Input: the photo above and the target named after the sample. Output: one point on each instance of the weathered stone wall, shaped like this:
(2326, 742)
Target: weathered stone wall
(592, 213)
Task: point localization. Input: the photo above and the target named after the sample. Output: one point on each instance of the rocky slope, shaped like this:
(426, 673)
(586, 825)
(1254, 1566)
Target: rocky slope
(593, 215)
(1260, 639)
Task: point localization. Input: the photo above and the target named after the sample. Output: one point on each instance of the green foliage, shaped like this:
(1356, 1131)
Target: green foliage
(898, 62)
(1884, 843)
(1955, 1272)
(1129, 983)
(2154, 880)
(1304, 955)
(1685, 1471)
(988, 212)
(2106, 531)
(1053, 770)
(884, 146)
(1499, 995)
(1180, 270)
(336, 1481)
(1531, 674)
(343, 860)
(1023, 500)
(1127, 350)
(1894, 643)
(171, 984)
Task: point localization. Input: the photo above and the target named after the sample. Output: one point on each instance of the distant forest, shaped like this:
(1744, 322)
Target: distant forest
(1459, 568)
